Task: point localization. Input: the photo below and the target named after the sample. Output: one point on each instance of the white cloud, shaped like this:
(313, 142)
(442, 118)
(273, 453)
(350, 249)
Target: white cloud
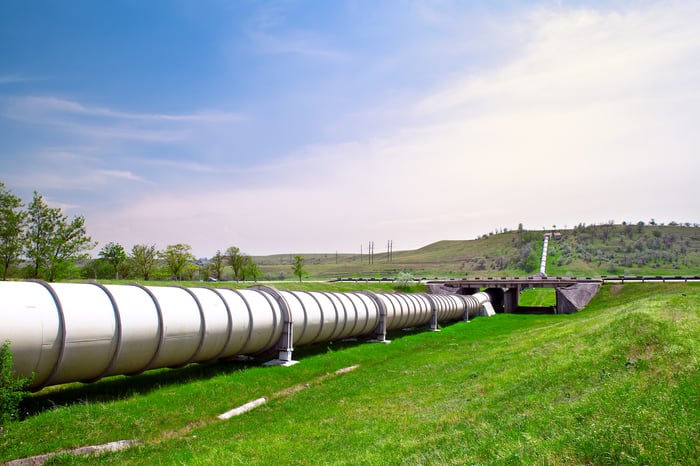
(271, 33)
(297, 43)
(65, 207)
(80, 179)
(578, 57)
(11, 78)
(48, 104)
(79, 169)
(180, 165)
(101, 122)
(119, 174)
(592, 120)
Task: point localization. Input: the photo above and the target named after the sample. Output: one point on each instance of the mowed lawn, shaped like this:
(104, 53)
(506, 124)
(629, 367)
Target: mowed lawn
(617, 383)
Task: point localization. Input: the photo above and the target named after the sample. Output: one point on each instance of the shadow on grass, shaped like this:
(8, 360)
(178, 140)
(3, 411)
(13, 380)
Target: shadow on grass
(324, 347)
(124, 386)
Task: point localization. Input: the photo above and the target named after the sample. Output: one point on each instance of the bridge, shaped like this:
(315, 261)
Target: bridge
(572, 294)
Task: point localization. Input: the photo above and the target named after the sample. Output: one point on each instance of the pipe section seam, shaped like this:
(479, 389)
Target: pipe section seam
(74, 332)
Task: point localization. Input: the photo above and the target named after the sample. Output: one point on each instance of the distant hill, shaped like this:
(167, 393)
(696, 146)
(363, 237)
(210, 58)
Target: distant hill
(586, 250)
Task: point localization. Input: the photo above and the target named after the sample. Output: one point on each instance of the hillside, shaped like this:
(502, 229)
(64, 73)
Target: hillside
(582, 251)
(614, 384)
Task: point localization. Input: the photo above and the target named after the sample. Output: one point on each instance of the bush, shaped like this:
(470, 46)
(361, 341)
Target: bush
(11, 386)
(612, 267)
(403, 281)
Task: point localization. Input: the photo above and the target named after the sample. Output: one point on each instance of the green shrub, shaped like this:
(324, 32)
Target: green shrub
(403, 281)
(11, 386)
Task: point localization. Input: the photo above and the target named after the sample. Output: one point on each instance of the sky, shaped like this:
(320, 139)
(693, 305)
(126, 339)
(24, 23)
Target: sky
(299, 126)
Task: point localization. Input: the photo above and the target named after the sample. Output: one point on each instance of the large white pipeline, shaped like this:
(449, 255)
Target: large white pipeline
(67, 332)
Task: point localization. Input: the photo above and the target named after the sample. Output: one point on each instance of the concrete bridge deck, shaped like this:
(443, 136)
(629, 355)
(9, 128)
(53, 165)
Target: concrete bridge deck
(572, 294)
(538, 282)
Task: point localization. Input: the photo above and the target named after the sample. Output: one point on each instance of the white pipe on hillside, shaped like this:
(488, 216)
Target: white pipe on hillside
(66, 332)
(543, 259)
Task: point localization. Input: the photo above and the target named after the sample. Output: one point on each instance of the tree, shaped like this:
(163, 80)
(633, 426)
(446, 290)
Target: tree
(42, 223)
(521, 230)
(235, 260)
(252, 269)
(99, 269)
(52, 242)
(245, 261)
(527, 258)
(12, 222)
(190, 271)
(298, 267)
(114, 254)
(217, 264)
(249, 269)
(144, 259)
(70, 244)
(176, 257)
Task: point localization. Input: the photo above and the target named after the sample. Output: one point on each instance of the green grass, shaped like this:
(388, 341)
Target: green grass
(538, 297)
(617, 383)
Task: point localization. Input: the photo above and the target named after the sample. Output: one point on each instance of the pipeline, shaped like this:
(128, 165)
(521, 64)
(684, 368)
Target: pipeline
(67, 332)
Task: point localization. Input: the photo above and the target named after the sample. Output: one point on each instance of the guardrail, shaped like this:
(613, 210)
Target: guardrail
(650, 279)
(602, 278)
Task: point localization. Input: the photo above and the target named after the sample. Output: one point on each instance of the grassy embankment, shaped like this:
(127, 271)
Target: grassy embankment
(616, 383)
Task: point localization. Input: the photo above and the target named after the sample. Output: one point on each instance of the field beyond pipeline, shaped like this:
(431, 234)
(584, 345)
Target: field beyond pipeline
(617, 383)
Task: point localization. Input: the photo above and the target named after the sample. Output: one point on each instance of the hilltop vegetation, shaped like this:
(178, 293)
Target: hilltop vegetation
(617, 383)
(628, 249)
(586, 250)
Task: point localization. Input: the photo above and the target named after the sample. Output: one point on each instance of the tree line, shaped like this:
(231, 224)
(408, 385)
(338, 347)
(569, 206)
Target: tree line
(43, 237)
(41, 242)
(175, 262)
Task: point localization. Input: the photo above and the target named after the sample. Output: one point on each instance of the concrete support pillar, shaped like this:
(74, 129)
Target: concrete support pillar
(433, 313)
(497, 296)
(559, 305)
(285, 346)
(380, 330)
(511, 299)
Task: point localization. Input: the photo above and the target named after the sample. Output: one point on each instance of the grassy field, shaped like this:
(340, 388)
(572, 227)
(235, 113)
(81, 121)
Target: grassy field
(538, 297)
(617, 383)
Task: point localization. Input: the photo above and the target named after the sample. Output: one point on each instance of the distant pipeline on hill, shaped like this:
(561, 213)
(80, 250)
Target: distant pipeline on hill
(67, 332)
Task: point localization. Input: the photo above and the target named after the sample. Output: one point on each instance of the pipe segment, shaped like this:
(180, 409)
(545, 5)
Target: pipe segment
(66, 332)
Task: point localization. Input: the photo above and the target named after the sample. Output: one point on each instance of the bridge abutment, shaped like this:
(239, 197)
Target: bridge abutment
(572, 294)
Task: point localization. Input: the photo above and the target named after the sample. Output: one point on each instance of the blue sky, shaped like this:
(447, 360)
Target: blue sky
(314, 126)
